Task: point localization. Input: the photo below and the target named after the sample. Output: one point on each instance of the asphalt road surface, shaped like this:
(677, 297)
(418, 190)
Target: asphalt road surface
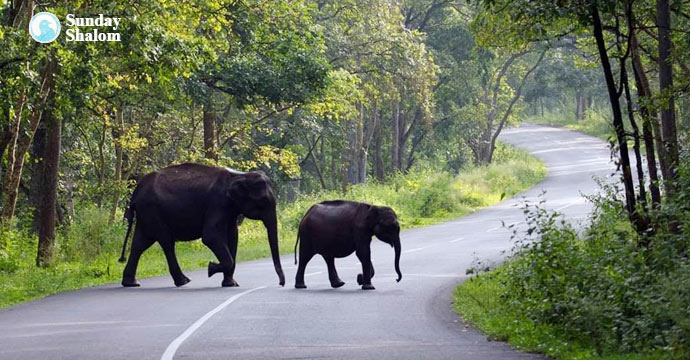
(260, 320)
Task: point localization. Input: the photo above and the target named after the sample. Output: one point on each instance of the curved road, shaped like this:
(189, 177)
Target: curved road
(260, 320)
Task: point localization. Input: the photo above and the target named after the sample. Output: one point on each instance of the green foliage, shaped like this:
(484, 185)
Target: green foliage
(587, 295)
(91, 238)
(89, 248)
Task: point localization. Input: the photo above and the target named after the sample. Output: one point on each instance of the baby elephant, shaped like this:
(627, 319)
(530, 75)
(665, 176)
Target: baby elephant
(335, 229)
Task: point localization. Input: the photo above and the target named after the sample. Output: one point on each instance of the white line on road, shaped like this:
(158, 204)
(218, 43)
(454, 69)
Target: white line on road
(456, 240)
(507, 227)
(314, 273)
(416, 249)
(571, 204)
(172, 348)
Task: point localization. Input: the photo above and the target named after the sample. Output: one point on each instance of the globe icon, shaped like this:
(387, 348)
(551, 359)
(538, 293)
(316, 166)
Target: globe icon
(44, 27)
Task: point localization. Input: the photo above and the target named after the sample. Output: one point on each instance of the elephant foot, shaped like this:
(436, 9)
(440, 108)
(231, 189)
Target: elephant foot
(213, 268)
(337, 284)
(229, 283)
(368, 287)
(300, 286)
(130, 283)
(359, 279)
(182, 281)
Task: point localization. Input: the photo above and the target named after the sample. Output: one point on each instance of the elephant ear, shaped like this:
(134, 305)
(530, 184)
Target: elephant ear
(373, 215)
(237, 189)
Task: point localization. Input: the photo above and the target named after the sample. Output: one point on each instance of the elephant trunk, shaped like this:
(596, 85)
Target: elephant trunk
(271, 223)
(396, 247)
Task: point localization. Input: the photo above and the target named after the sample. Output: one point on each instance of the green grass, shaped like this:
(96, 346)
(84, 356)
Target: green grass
(88, 250)
(595, 123)
(480, 302)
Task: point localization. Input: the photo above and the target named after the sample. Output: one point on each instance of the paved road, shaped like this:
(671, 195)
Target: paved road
(260, 320)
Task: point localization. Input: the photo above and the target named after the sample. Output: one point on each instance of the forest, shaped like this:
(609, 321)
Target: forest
(400, 101)
(319, 95)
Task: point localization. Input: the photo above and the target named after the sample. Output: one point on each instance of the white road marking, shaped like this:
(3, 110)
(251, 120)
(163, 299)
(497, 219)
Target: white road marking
(172, 348)
(571, 204)
(76, 323)
(416, 249)
(506, 226)
(430, 275)
(314, 273)
(75, 331)
(456, 240)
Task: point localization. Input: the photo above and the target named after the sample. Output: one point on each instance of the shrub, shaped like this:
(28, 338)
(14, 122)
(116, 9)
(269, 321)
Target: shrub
(600, 286)
(91, 236)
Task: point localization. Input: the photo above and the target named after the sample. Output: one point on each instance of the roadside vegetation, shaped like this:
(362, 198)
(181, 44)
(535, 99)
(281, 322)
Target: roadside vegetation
(593, 293)
(617, 288)
(88, 250)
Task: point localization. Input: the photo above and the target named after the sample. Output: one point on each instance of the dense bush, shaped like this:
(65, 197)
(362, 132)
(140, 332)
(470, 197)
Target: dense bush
(603, 286)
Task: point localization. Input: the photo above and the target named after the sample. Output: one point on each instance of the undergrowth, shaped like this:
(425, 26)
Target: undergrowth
(597, 294)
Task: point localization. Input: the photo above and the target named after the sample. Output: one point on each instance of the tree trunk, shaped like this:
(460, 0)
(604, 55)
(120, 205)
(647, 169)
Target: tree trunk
(648, 115)
(542, 106)
(37, 155)
(47, 213)
(209, 119)
(395, 141)
(636, 140)
(351, 127)
(378, 159)
(361, 151)
(13, 130)
(617, 114)
(4, 141)
(668, 119)
(491, 146)
(579, 102)
(402, 125)
(334, 169)
(117, 132)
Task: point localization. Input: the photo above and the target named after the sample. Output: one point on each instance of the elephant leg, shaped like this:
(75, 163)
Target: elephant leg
(220, 249)
(364, 256)
(140, 242)
(332, 273)
(359, 276)
(304, 257)
(232, 246)
(179, 278)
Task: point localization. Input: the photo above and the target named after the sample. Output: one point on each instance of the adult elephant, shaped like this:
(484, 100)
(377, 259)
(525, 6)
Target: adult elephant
(191, 201)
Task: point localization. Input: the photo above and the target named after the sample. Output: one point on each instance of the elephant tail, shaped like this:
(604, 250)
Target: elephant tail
(296, 242)
(299, 230)
(129, 215)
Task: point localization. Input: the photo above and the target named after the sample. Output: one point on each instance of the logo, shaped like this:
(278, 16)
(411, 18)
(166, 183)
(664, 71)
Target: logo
(44, 27)
(92, 28)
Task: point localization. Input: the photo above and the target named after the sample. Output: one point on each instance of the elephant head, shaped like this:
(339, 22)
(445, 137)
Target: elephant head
(383, 223)
(254, 198)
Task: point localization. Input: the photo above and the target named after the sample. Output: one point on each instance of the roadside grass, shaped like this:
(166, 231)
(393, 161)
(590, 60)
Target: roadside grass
(596, 122)
(89, 249)
(480, 302)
